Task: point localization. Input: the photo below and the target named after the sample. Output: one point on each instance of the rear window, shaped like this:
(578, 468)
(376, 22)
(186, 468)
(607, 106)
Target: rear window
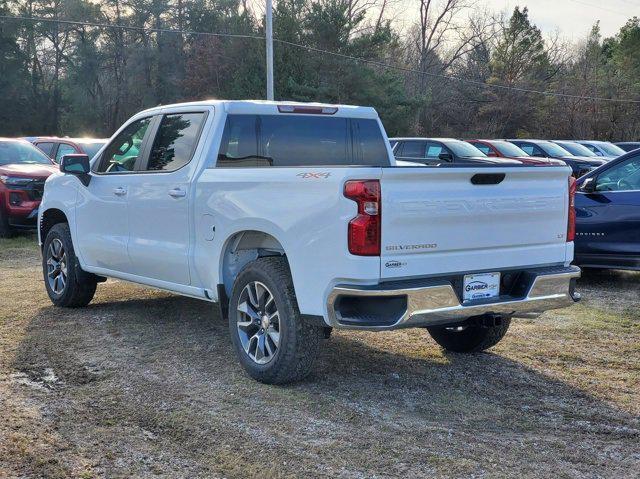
(287, 140)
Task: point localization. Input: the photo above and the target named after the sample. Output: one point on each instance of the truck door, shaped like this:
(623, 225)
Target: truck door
(159, 206)
(102, 216)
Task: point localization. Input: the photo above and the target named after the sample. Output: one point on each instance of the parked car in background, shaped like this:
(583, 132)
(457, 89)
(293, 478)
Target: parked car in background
(603, 148)
(576, 149)
(23, 171)
(628, 145)
(442, 151)
(547, 149)
(504, 149)
(55, 148)
(363, 244)
(608, 215)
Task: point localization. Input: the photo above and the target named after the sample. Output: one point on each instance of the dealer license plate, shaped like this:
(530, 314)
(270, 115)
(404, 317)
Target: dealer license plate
(481, 286)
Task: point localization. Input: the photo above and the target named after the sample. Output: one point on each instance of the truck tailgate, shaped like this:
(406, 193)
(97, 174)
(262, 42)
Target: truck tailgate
(448, 220)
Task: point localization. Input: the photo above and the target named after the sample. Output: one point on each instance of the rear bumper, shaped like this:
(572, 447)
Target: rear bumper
(435, 302)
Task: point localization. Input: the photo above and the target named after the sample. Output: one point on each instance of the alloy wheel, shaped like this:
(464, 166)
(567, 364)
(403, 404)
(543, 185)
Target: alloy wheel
(57, 266)
(258, 322)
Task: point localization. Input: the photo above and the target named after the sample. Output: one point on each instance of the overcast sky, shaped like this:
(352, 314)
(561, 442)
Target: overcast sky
(574, 18)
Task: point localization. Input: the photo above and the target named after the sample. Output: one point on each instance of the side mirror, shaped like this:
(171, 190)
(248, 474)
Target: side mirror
(492, 154)
(588, 185)
(445, 157)
(77, 165)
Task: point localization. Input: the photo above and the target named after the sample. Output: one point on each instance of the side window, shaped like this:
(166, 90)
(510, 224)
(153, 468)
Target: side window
(413, 149)
(369, 146)
(593, 149)
(122, 153)
(434, 150)
(175, 141)
(624, 176)
(46, 147)
(482, 147)
(528, 149)
(239, 146)
(64, 149)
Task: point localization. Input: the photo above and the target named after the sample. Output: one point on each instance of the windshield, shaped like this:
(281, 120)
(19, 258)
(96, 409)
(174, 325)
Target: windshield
(508, 149)
(610, 149)
(14, 152)
(463, 149)
(92, 148)
(552, 149)
(576, 149)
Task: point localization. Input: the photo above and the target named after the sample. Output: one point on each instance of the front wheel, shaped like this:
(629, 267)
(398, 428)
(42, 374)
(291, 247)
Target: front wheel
(273, 342)
(469, 338)
(67, 284)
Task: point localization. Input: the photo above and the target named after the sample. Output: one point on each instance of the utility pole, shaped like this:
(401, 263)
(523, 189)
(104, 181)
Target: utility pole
(269, 39)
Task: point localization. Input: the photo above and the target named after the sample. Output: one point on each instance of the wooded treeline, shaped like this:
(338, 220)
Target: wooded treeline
(67, 79)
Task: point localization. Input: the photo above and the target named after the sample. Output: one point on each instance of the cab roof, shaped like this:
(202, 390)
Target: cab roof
(266, 107)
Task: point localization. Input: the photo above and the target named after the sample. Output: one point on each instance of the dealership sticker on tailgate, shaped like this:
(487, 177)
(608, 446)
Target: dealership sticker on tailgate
(480, 286)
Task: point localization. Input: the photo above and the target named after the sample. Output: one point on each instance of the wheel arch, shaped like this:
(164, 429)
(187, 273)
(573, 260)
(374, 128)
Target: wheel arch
(50, 218)
(241, 248)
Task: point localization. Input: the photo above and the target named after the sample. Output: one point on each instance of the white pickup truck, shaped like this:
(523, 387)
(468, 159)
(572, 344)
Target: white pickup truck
(296, 219)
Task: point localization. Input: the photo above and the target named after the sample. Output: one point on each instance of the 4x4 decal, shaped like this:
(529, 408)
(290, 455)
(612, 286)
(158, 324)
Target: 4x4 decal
(314, 175)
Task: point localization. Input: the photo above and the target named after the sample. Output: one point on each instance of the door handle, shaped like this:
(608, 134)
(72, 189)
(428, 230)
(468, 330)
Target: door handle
(177, 193)
(119, 191)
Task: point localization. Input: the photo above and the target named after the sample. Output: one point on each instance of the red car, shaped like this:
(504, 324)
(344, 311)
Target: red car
(23, 171)
(504, 149)
(55, 148)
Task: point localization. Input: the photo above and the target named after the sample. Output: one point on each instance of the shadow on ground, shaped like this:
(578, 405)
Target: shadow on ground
(151, 387)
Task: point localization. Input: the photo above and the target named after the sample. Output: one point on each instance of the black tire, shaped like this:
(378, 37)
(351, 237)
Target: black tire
(470, 338)
(299, 339)
(79, 286)
(5, 228)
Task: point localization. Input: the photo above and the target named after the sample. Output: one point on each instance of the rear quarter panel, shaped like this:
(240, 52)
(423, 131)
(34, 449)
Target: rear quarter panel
(303, 208)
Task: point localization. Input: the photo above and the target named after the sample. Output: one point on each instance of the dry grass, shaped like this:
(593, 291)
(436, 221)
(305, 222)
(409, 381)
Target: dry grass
(142, 383)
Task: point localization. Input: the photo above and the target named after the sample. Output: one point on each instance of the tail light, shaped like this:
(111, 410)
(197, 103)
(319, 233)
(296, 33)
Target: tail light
(364, 229)
(571, 224)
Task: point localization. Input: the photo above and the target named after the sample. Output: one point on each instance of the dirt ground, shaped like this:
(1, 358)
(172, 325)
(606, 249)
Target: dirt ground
(143, 383)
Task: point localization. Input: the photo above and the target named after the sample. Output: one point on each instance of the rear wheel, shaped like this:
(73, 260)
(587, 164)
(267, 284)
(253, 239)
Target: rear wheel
(67, 284)
(273, 342)
(469, 338)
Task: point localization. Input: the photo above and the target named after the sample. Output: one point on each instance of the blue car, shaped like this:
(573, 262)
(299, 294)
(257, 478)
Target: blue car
(608, 215)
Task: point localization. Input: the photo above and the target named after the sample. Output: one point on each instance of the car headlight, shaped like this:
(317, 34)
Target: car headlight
(15, 180)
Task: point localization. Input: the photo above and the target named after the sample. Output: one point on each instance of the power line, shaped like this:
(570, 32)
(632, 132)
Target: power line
(593, 5)
(325, 52)
(454, 78)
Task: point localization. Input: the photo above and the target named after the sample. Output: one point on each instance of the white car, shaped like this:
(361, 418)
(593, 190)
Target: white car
(296, 219)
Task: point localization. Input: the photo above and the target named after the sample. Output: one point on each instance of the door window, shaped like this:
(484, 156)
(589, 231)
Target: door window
(47, 148)
(64, 149)
(483, 148)
(434, 150)
(531, 150)
(175, 141)
(122, 153)
(593, 149)
(624, 176)
(413, 149)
